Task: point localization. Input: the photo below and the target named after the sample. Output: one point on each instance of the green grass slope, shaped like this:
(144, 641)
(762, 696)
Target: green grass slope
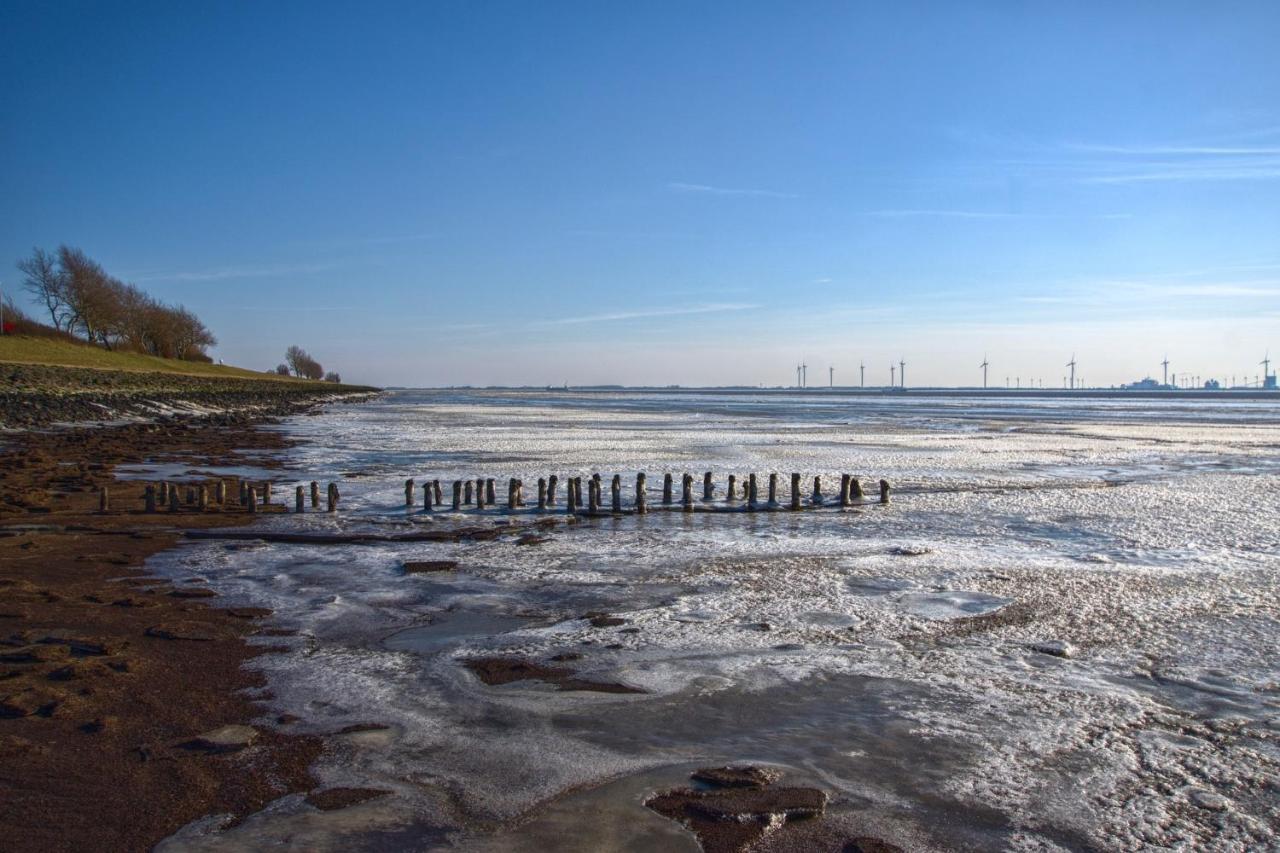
(18, 349)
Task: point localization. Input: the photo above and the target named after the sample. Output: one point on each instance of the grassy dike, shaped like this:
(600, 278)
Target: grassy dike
(44, 381)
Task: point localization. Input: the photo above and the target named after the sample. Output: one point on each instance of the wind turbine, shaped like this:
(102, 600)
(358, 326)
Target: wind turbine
(1165, 365)
(892, 381)
(1072, 365)
(902, 373)
(798, 376)
(804, 375)
(862, 368)
(984, 367)
(831, 376)
(1266, 368)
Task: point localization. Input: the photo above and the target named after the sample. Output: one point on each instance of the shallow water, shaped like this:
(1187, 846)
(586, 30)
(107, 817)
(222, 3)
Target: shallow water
(882, 653)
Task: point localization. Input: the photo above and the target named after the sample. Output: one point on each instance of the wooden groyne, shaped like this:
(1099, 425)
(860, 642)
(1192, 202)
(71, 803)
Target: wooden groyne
(479, 495)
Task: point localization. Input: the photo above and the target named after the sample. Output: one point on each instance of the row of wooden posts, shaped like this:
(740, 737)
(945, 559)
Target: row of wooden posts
(481, 493)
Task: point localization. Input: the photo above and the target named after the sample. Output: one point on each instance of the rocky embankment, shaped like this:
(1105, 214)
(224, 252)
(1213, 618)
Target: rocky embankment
(34, 395)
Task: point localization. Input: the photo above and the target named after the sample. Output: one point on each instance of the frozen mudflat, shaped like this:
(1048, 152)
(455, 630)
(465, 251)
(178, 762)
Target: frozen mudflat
(1062, 634)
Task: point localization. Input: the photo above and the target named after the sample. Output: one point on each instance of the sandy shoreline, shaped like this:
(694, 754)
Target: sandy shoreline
(107, 678)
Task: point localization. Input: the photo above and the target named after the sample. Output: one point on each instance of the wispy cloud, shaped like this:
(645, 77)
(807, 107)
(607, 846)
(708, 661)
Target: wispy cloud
(706, 189)
(675, 311)
(223, 273)
(940, 213)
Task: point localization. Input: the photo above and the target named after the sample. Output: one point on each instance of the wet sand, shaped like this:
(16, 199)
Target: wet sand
(113, 685)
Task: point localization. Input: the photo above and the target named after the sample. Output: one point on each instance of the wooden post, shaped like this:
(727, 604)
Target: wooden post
(408, 492)
(253, 500)
(732, 493)
(773, 490)
(315, 495)
(164, 493)
(457, 495)
(844, 490)
(570, 497)
(191, 496)
(266, 493)
(511, 493)
(202, 497)
(428, 496)
(466, 492)
(795, 491)
(332, 497)
(104, 499)
(552, 482)
(244, 492)
(577, 490)
(299, 500)
(855, 489)
(480, 493)
(489, 496)
(173, 500)
(884, 491)
(666, 488)
(708, 488)
(439, 495)
(519, 492)
(752, 495)
(149, 497)
(593, 496)
(220, 492)
(686, 492)
(816, 498)
(642, 506)
(542, 493)
(616, 490)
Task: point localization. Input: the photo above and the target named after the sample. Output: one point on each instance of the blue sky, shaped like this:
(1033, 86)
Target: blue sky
(448, 193)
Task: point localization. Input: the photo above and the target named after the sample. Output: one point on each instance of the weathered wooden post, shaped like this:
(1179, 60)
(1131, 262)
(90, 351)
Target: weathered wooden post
(642, 505)
(299, 500)
(315, 495)
(593, 496)
(884, 491)
(466, 492)
(816, 498)
(519, 492)
(104, 499)
(552, 482)
(855, 489)
(732, 493)
(457, 495)
(243, 492)
(795, 491)
(253, 500)
(428, 496)
(773, 490)
(266, 493)
(191, 496)
(220, 492)
(439, 495)
(666, 488)
(570, 497)
(331, 498)
(173, 500)
(844, 490)
(408, 492)
(202, 497)
(149, 499)
(511, 493)
(164, 493)
(708, 488)
(480, 493)
(686, 492)
(752, 495)
(577, 490)
(490, 497)
(616, 490)
(542, 493)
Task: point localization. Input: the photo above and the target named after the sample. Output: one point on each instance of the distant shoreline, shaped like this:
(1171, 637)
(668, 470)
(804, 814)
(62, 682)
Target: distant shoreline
(882, 392)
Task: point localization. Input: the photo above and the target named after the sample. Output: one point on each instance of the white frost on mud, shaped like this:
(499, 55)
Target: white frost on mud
(1061, 635)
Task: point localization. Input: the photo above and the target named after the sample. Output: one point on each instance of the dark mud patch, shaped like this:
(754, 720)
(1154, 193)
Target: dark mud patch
(333, 799)
(499, 671)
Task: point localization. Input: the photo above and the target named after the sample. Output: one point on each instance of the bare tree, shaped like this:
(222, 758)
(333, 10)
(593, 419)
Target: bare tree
(332, 377)
(295, 356)
(282, 369)
(45, 281)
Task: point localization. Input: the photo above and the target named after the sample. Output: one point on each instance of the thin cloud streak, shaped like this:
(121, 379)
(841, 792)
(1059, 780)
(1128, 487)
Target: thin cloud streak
(223, 273)
(706, 189)
(714, 308)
